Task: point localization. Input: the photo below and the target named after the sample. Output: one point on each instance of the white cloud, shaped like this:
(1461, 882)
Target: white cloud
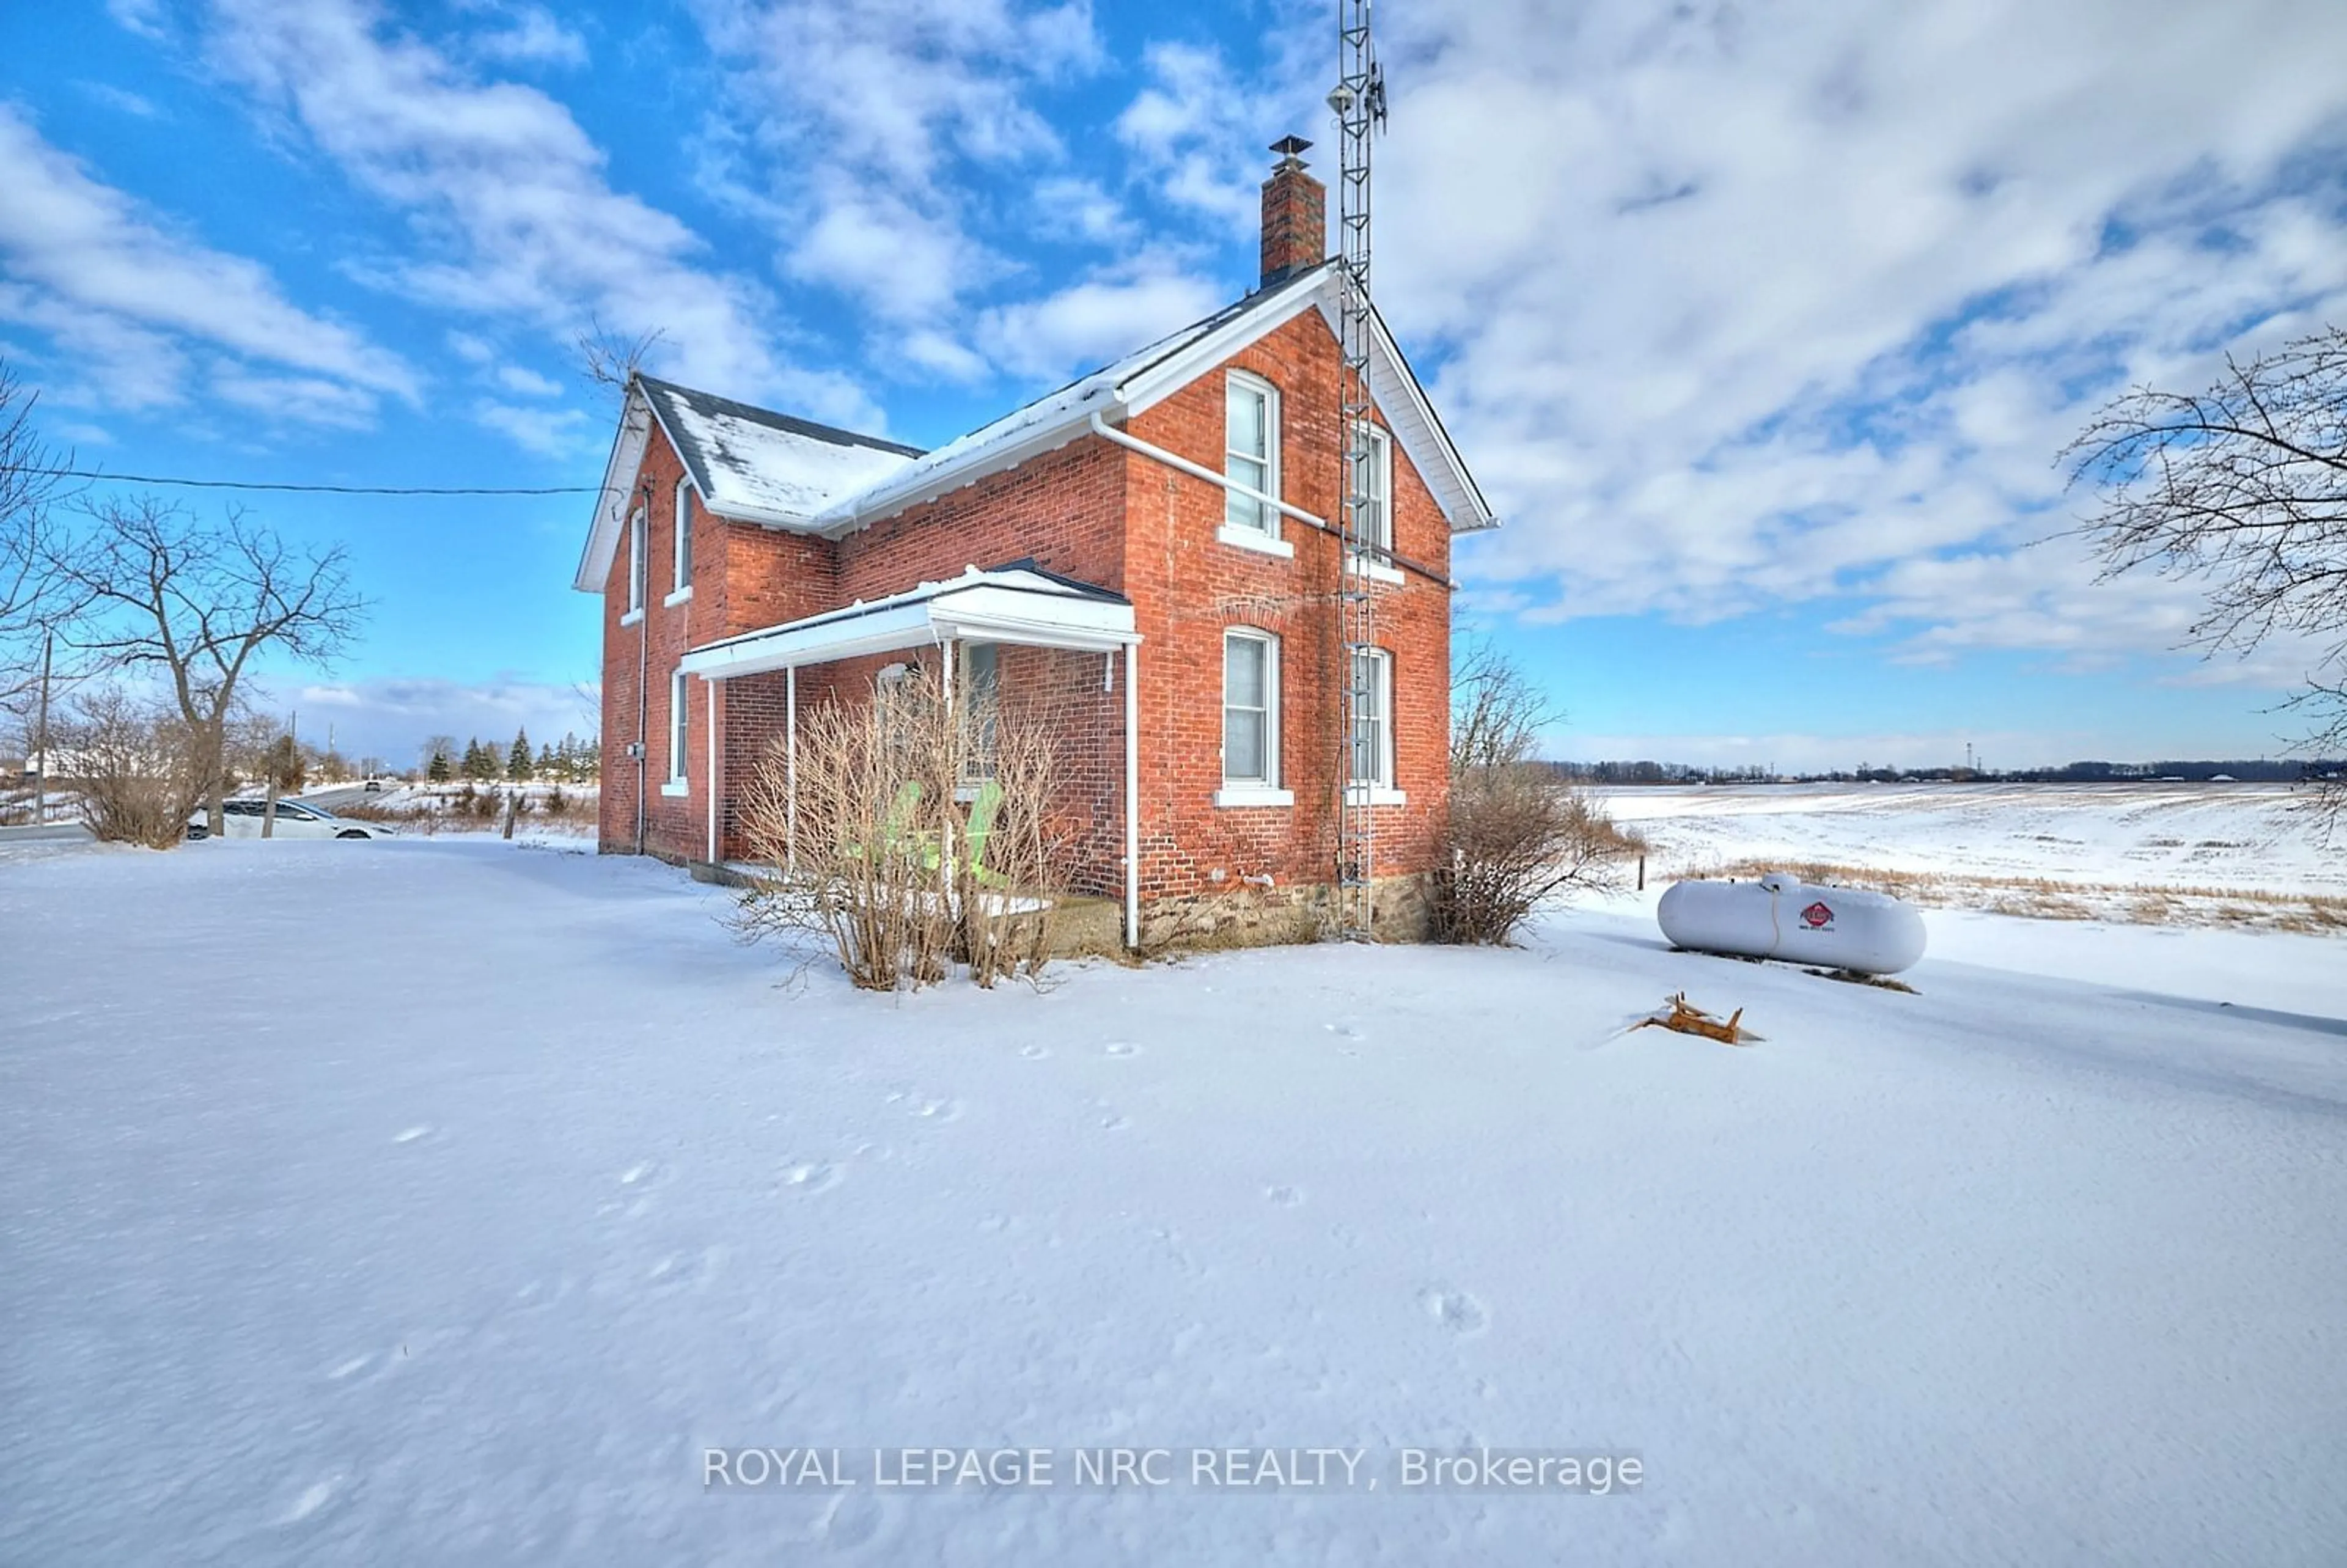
(528, 383)
(864, 124)
(126, 293)
(548, 432)
(508, 197)
(122, 99)
(1749, 304)
(531, 35)
(1092, 322)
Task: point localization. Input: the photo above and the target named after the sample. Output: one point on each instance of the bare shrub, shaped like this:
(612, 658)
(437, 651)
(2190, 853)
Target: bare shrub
(1517, 834)
(135, 766)
(874, 857)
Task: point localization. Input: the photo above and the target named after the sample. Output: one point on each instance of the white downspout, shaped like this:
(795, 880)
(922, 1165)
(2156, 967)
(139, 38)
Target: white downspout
(1131, 795)
(1107, 432)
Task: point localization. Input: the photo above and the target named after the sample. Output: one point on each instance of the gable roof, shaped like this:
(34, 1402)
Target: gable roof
(766, 468)
(746, 461)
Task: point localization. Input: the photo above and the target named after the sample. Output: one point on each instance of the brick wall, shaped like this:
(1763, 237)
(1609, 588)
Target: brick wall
(1189, 587)
(1094, 511)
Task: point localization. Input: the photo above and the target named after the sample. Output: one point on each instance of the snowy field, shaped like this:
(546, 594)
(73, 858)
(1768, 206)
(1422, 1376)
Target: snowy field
(2116, 851)
(443, 1200)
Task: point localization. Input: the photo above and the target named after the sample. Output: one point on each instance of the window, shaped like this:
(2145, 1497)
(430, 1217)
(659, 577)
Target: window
(635, 562)
(1373, 718)
(680, 711)
(1375, 488)
(982, 687)
(1251, 720)
(1251, 453)
(684, 535)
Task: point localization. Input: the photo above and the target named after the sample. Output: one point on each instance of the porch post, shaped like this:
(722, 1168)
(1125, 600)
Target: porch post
(791, 770)
(715, 837)
(952, 651)
(1132, 797)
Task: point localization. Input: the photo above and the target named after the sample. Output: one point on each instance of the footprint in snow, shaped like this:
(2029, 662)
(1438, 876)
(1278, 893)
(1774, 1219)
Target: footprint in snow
(1034, 1052)
(810, 1176)
(1120, 1048)
(1114, 1120)
(683, 1270)
(1286, 1197)
(316, 1496)
(938, 1110)
(411, 1134)
(1454, 1309)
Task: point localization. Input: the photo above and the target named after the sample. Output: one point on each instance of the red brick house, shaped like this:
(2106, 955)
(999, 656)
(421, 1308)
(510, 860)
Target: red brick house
(1155, 544)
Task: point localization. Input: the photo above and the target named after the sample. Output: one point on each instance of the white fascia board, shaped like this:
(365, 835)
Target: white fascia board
(611, 502)
(1396, 389)
(1414, 422)
(1053, 428)
(1009, 615)
(765, 516)
(906, 626)
(1169, 375)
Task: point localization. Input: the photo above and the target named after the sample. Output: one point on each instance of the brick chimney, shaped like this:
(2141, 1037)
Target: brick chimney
(1295, 215)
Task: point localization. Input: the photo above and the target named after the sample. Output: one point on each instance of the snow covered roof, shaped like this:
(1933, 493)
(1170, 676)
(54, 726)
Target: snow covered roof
(770, 469)
(764, 467)
(1020, 602)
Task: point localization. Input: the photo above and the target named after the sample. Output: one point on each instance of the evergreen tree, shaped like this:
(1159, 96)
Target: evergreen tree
(518, 760)
(547, 766)
(437, 770)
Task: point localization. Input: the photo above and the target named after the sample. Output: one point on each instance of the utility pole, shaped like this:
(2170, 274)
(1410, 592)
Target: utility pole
(41, 734)
(1359, 100)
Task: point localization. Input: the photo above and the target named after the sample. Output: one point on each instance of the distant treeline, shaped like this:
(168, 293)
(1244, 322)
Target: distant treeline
(2251, 770)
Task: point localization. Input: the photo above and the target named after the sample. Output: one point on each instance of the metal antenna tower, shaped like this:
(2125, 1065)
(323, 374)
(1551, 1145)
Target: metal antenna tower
(1359, 100)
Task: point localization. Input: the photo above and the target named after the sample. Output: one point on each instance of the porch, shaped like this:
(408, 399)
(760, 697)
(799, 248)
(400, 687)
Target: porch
(968, 628)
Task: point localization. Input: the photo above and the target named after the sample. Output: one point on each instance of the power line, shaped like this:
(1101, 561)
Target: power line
(318, 489)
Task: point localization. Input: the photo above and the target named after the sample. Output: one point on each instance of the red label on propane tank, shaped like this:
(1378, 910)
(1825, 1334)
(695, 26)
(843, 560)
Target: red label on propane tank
(1816, 915)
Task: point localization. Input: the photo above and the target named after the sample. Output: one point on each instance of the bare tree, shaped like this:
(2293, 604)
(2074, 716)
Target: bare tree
(1518, 834)
(608, 360)
(2244, 487)
(29, 478)
(153, 590)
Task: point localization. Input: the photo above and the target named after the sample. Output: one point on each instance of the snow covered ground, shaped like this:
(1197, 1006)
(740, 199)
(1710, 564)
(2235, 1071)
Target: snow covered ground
(444, 1201)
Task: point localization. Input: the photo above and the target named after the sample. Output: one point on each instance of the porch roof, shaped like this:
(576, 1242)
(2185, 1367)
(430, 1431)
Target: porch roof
(1018, 603)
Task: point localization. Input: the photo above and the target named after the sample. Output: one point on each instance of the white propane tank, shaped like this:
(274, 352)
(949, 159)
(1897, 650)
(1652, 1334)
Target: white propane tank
(1780, 917)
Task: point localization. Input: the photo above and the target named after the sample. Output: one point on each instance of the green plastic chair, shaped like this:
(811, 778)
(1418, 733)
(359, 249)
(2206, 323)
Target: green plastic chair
(895, 827)
(982, 812)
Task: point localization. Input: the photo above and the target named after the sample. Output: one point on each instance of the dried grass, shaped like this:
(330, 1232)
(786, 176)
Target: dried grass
(2047, 898)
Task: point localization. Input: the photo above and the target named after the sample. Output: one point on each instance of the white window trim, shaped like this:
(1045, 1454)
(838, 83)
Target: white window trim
(1266, 537)
(682, 596)
(1230, 795)
(680, 562)
(1376, 791)
(632, 618)
(680, 733)
(1376, 566)
(1265, 790)
(638, 565)
(1263, 544)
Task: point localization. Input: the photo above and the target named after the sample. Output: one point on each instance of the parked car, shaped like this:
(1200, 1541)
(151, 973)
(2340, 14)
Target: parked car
(242, 819)
(374, 786)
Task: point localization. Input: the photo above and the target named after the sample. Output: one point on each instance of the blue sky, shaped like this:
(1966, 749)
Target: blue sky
(1760, 324)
